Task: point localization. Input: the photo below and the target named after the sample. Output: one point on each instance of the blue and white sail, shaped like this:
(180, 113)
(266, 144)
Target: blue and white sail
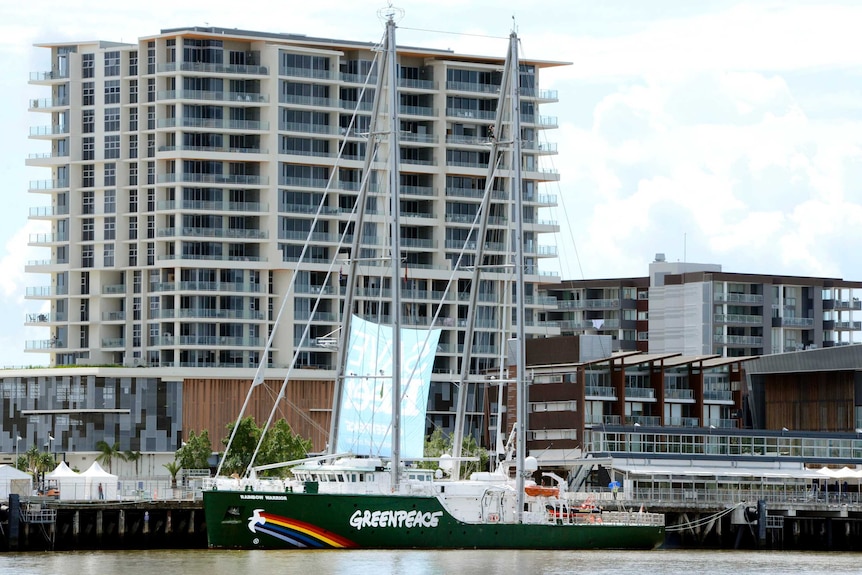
(365, 425)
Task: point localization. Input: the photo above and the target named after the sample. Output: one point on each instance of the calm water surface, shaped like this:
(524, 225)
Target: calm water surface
(212, 562)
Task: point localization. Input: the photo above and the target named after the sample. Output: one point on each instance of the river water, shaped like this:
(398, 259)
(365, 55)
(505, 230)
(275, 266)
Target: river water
(218, 562)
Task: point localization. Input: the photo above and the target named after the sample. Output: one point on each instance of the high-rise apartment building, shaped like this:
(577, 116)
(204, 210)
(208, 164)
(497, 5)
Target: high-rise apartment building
(184, 172)
(696, 309)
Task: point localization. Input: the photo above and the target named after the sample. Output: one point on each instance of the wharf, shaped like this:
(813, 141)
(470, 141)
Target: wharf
(45, 524)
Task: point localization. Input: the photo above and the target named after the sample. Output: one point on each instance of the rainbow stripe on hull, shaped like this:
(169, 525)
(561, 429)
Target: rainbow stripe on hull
(295, 533)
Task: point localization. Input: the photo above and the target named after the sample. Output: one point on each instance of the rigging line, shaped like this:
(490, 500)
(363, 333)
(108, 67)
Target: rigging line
(449, 32)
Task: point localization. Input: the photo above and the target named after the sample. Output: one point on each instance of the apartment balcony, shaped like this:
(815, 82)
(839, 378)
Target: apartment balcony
(44, 344)
(541, 251)
(305, 128)
(717, 396)
(114, 289)
(226, 179)
(640, 393)
(540, 121)
(42, 266)
(743, 340)
(43, 319)
(214, 124)
(738, 319)
(546, 96)
(741, 298)
(474, 87)
(485, 115)
(848, 305)
(205, 206)
(417, 111)
(848, 325)
(679, 395)
(46, 292)
(229, 233)
(206, 313)
(48, 104)
(211, 257)
(48, 185)
(110, 316)
(801, 322)
(307, 73)
(46, 159)
(191, 286)
(213, 149)
(213, 96)
(600, 392)
(647, 420)
(316, 183)
(48, 212)
(541, 147)
(682, 422)
(312, 101)
(476, 193)
(210, 68)
(47, 239)
(424, 191)
(721, 423)
(48, 132)
(113, 343)
(49, 77)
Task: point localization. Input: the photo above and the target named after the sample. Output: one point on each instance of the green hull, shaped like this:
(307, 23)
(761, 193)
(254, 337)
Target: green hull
(266, 520)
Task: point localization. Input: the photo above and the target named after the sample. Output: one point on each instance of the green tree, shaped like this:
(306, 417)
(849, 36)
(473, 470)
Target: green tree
(134, 457)
(196, 452)
(280, 444)
(108, 452)
(173, 468)
(437, 444)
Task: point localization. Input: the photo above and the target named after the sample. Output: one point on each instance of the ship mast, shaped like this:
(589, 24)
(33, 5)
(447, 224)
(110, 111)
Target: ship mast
(391, 70)
(518, 216)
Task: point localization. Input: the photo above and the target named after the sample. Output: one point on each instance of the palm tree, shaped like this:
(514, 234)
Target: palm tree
(134, 457)
(173, 468)
(108, 452)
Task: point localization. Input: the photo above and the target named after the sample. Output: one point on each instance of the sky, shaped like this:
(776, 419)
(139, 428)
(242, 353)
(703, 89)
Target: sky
(715, 131)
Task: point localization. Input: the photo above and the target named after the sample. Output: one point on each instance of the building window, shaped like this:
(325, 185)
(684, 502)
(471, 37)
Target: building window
(112, 91)
(110, 199)
(151, 227)
(133, 120)
(112, 119)
(133, 194)
(112, 147)
(133, 255)
(110, 178)
(87, 225)
(151, 254)
(133, 63)
(88, 121)
(88, 65)
(133, 169)
(87, 257)
(87, 203)
(112, 63)
(133, 152)
(133, 228)
(108, 255)
(133, 92)
(110, 228)
(88, 94)
(88, 148)
(88, 176)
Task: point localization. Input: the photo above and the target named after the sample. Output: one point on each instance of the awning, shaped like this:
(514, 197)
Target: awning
(695, 471)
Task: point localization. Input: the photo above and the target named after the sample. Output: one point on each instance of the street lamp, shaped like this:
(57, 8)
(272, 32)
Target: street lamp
(17, 439)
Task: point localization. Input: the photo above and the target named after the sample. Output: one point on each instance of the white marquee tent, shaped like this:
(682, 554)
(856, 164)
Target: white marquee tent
(70, 483)
(14, 481)
(99, 484)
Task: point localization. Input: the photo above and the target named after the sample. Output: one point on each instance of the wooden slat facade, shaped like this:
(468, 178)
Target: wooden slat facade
(821, 401)
(212, 404)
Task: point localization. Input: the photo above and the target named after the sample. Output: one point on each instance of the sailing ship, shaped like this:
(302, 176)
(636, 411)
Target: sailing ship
(378, 500)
